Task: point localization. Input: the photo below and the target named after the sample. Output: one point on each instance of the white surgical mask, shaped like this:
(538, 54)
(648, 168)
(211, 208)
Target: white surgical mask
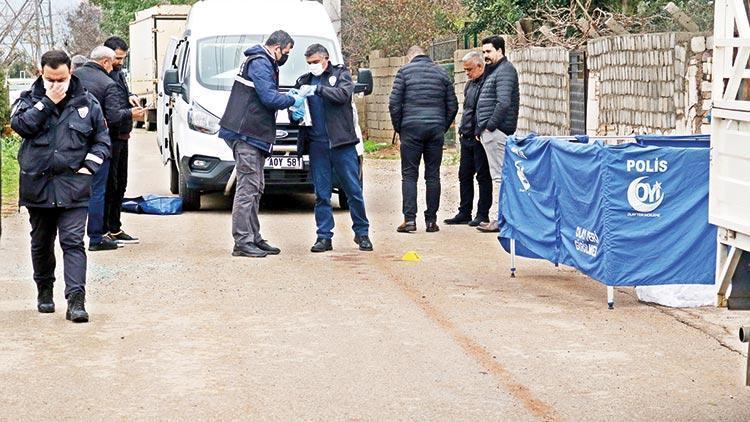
(316, 68)
(48, 85)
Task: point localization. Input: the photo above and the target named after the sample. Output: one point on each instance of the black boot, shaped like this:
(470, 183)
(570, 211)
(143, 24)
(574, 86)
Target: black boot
(76, 311)
(44, 302)
(322, 245)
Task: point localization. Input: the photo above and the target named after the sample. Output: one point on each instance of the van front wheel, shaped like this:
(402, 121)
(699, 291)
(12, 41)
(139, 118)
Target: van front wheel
(191, 198)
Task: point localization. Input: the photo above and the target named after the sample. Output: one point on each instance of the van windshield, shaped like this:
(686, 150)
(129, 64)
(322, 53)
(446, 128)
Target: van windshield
(219, 58)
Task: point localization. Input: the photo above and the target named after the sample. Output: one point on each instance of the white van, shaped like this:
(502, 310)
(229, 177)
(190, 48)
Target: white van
(198, 79)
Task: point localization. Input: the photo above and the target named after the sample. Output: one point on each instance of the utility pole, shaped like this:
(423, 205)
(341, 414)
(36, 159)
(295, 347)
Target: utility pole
(25, 29)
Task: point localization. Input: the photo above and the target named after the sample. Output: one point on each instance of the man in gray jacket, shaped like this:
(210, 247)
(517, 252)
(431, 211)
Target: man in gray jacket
(497, 111)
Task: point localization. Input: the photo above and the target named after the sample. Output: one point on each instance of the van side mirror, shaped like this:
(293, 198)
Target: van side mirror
(364, 82)
(172, 82)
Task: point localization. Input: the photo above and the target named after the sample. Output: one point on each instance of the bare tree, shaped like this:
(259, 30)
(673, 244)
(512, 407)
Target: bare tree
(84, 28)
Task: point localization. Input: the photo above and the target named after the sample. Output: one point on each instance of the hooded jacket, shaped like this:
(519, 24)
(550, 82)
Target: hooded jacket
(422, 95)
(57, 143)
(254, 101)
(336, 89)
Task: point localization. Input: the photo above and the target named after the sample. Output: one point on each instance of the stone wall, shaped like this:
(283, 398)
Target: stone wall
(378, 121)
(544, 85)
(644, 84)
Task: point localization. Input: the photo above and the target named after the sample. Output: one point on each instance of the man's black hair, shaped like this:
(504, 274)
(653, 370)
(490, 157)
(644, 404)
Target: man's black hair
(116, 43)
(497, 41)
(55, 58)
(316, 49)
(280, 38)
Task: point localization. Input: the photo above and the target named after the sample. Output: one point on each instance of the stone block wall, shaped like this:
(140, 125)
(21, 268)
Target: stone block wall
(642, 84)
(544, 85)
(378, 122)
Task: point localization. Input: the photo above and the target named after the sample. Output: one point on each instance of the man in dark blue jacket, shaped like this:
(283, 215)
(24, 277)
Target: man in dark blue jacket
(249, 128)
(331, 142)
(422, 105)
(94, 75)
(65, 142)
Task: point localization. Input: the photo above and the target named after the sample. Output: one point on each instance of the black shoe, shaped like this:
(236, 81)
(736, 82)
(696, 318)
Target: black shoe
(479, 220)
(270, 250)
(458, 219)
(322, 245)
(432, 227)
(251, 251)
(106, 244)
(76, 310)
(44, 302)
(407, 227)
(364, 243)
(122, 237)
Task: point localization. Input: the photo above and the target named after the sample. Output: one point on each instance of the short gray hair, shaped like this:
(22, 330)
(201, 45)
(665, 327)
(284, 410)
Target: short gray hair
(474, 56)
(77, 61)
(413, 52)
(102, 52)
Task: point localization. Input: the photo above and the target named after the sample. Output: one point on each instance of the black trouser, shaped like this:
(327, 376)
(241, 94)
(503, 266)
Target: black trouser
(417, 142)
(45, 225)
(474, 162)
(117, 182)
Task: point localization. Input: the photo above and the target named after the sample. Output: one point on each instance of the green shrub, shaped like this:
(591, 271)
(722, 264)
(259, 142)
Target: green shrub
(9, 168)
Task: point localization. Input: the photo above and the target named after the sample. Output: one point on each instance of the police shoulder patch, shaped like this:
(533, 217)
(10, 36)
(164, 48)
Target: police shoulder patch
(83, 112)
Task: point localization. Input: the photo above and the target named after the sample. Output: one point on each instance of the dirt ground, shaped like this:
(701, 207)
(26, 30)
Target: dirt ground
(181, 330)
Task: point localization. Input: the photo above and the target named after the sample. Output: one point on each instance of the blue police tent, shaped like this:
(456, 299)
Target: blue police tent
(626, 215)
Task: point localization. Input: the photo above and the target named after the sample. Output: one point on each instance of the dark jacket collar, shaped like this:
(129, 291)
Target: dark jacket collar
(421, 58)
(96, 66)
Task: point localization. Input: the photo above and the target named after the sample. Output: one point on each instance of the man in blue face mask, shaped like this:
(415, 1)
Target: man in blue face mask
(331, 142)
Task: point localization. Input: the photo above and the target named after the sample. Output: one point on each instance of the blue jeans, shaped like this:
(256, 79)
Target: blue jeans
(324, 160)
(95, 226)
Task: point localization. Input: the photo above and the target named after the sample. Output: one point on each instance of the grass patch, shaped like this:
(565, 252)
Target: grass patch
(9, 171)
(372, 146)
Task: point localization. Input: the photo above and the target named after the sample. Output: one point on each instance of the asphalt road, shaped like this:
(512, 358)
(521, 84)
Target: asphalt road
(181, 330)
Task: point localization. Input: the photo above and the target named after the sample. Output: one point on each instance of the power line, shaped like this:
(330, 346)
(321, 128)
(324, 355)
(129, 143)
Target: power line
(26, 30)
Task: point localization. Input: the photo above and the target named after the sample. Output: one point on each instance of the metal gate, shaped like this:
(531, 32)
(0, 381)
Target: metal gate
(578, 88)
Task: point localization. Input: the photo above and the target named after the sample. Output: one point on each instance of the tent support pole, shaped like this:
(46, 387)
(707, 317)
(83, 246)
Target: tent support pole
(512, 258)
(610, 297)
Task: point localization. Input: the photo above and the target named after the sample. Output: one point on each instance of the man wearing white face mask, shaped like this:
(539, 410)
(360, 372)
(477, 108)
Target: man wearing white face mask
(65, 142)
(331, 142)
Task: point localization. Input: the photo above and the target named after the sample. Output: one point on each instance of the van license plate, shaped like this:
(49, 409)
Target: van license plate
(286, 163)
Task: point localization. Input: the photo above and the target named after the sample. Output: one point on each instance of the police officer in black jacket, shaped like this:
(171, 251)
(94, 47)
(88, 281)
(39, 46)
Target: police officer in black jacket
(65, 141)
(422, 105)
(331, 142)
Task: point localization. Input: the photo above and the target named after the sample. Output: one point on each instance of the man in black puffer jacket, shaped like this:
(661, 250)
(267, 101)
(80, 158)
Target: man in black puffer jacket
(422, 105)
(65, 142)
(497, 111)
(473, 158)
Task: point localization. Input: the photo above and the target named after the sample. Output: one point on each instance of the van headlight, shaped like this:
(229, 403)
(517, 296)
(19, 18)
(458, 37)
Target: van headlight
(201, 120)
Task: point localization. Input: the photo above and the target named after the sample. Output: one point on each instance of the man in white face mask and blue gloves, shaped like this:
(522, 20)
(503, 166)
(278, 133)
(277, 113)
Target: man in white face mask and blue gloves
(331, 142)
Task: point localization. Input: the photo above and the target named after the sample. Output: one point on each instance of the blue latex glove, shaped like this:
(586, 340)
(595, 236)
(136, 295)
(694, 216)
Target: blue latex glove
(307, 90)
(298, 100)
(298, 114)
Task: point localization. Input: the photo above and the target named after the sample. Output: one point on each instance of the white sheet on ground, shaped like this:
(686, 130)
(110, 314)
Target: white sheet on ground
(678, 295)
